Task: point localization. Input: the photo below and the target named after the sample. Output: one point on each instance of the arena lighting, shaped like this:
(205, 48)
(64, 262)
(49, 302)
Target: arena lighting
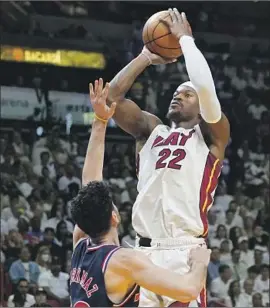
(58, 57)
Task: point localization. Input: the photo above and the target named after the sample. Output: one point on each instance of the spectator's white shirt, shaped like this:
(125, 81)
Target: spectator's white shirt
(219, 288)
(64, 182)
(238, 83)
(25, 188)
(36, 155)
(12, 223)
(119, 182)
(57, 285)
(125, 196)
(262, 286)
(4, 227)
(30, 301)
(255, 175)
(256, 111)
(244, 300)
(247, 257)
(3, 257)
(236, 222)
(239, 270)
(215, 242)
(223, 201)
(266, 257)
(38, 170)
(225, 258)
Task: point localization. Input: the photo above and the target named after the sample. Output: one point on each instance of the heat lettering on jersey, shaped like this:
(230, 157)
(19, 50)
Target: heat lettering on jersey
(174, 138)
(176, 156)
(82, 278)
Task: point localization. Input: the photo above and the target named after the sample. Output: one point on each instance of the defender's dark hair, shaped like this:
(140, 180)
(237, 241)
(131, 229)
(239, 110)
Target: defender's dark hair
(92, 209)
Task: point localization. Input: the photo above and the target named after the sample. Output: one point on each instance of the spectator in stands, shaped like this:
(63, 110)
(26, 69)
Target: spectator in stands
(48, 241)
(247, 255)
(41, 299)
(35, 235)
(256, 109)
(225, 252)
(63, 237)
(261, 284)
(221, 234)
(235, 234)
(24, 268)
(214, 264)
(55, 282)
(21, 297)
(257, 300)
(21, 149)
(259, 238)
(68, 178)
(220, 286)
(239, 268)
(57, 215)
(44, 259)
(233, 294)
(248, 226)
(258, 257)
(245, 298)
(45, 163)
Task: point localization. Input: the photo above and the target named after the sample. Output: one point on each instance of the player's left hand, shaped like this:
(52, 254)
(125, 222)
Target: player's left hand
(98, 97)
(178, 23)
(154, 58)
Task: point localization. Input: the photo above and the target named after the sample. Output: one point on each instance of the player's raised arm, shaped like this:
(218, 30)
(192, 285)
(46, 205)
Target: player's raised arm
(127, 114)
(183, 288)
(93, 164)
(201, 77)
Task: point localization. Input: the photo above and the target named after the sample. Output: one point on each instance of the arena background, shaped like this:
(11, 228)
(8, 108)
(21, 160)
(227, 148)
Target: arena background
(50, 51)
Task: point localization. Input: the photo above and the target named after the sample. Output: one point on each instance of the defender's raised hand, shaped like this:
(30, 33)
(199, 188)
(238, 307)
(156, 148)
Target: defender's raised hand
(178, 23)
(98, 96)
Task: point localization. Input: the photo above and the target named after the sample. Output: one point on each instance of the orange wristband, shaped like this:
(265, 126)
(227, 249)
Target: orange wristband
(100, 119)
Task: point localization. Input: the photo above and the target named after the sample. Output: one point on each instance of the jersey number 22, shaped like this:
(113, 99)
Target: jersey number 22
(174, 160)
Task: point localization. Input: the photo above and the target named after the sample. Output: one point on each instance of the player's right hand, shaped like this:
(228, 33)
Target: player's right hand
(178, 23)
(98, 97)
(154, 58)
(200, 255)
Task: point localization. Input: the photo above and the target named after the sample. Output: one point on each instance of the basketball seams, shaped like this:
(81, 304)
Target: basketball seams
(155, 44)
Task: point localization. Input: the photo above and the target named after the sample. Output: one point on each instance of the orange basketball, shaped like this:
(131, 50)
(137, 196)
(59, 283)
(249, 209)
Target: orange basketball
(158, 38)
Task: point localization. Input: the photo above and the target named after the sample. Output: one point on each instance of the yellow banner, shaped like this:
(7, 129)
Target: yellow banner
(59, 57)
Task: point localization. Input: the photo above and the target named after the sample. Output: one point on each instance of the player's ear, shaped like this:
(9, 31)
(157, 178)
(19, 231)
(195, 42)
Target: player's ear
(115, 220)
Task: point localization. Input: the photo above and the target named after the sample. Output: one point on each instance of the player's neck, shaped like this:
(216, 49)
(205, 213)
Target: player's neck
(187, 124)
(110, 238)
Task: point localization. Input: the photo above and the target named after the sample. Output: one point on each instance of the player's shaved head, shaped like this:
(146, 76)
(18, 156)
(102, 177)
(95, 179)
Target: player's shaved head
(92, 209)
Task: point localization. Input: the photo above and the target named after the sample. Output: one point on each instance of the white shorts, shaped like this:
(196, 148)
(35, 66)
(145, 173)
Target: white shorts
(171, 254)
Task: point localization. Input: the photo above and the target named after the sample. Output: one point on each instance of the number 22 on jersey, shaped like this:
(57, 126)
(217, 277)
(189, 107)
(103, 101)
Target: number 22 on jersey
(170, 159)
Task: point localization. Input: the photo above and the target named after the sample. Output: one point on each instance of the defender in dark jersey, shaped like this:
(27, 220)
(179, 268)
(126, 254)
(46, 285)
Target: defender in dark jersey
(102, 272)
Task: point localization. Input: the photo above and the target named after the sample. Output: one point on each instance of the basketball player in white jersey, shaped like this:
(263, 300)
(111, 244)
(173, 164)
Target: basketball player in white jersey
(178, 166)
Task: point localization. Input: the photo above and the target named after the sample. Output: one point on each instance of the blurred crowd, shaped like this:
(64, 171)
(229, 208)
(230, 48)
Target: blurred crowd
(42, 173)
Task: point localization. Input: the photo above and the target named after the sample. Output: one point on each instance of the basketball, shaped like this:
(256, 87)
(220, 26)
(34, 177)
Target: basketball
(158, 38)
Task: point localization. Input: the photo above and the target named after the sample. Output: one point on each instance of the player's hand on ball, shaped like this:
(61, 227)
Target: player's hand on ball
(98, 97)
(178, 24)
(154, 58)
(199, 255)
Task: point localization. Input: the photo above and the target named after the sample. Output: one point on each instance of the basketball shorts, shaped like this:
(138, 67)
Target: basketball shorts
(173, 256)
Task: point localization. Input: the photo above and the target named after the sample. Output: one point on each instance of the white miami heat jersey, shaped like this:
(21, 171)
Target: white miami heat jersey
(177, 179)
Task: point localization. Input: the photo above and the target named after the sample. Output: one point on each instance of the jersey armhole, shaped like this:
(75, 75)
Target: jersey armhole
(107, 259)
